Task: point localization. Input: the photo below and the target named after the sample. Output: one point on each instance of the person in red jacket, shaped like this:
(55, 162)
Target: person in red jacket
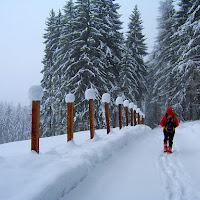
(169, 122)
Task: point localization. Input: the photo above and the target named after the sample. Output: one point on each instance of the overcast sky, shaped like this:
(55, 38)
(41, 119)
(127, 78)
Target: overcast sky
(21, 40)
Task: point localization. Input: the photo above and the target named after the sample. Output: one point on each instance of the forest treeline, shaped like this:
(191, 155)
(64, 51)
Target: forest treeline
(15, 122)
(86, 48)
(174, 64)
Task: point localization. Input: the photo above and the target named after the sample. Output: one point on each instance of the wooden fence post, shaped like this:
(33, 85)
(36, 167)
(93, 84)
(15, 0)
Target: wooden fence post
(131, 116)
(139, 122)
(131, 105)
(106, 100)
(35, 94)
(138, 115)
(90, 95)
(135, 122)
(70, 98)
(119, 103)
(143, 116)
(126, 104)
(35, 126)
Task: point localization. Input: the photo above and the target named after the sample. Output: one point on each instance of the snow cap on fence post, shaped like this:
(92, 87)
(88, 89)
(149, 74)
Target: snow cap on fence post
(131, 105)
(106, 98)
(119, 101)
(126, 103)
(35, 93)
(138, 110)
(134, 107)
(90, 94)
(70, 98)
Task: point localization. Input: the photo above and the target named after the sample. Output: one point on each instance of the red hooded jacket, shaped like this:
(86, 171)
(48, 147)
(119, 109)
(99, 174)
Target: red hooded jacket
(170, 113)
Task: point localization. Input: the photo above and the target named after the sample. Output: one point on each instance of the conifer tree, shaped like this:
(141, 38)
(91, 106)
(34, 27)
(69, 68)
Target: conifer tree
(94, 56)
(137, 49)
(15, 122)
(187, 66)
(111, 44)
(48, 82)
(161, 67)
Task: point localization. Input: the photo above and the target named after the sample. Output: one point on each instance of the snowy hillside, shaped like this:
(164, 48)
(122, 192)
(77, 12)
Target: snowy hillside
(126, 164)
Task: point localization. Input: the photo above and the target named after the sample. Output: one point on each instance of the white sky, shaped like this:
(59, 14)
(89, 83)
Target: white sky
(21, 40)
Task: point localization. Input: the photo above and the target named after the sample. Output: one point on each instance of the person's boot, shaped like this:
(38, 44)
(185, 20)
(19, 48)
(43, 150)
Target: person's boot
(165, 146)
(169, 150)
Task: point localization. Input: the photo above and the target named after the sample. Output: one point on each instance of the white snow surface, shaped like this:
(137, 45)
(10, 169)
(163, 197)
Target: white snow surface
(131, 105)
(106, 98)
(90, 94)
(119, 100)
(126, 103)
(126, 164)
(35, 93)
(70, 98)
(137, 110)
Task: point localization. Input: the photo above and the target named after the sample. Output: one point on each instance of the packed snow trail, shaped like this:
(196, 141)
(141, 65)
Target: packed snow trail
(126, 175)
(139, 171)
(126, 164)
(176, 183)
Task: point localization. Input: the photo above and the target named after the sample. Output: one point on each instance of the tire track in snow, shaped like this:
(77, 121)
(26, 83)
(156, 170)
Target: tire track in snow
(176, 183)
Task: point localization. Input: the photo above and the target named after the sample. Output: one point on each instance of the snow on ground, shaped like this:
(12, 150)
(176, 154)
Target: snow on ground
(126, 164)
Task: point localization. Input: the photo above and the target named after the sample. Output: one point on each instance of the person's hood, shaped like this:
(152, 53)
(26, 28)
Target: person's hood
(169, 112)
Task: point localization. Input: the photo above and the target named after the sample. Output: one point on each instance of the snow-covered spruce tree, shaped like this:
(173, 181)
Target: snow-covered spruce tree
(94, 57)
(9, 124)
(1, 121)
(162, 64)
(178, 42)
(15, 122)
(48, 114)
(59, 105)
(60, 67)
(64, 47)
(136, 69)
(153, 106)
(187, 66)
(111, 44)
(18, 123)
(181, 15)
(22, 123)
(129, 77)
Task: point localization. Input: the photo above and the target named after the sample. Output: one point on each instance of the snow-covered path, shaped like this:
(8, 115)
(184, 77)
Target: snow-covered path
(127, 175)
(126, 164)
(176, 182)
(139, 171)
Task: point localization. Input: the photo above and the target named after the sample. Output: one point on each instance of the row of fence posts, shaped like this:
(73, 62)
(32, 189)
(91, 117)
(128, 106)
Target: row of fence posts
(36, 93)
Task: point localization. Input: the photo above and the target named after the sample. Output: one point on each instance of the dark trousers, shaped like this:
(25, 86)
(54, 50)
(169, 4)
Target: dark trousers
(169, 136)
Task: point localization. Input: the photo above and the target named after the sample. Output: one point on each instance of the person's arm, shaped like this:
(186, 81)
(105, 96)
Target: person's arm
(163, 121)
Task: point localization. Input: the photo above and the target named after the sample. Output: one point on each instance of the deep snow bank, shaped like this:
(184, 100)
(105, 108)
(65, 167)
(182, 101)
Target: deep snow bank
(60, 166)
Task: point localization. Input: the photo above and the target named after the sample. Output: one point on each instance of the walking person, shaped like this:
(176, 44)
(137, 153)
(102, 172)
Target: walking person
(169, 122)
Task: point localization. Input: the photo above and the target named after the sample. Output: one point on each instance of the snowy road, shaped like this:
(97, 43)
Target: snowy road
(175, 181)
(126, 164)
(139, 171)
(127, 175)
